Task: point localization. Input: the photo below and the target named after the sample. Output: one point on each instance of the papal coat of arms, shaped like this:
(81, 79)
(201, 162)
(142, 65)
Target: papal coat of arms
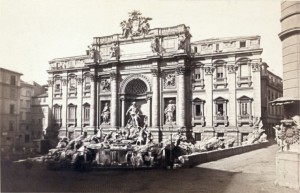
(136, 25)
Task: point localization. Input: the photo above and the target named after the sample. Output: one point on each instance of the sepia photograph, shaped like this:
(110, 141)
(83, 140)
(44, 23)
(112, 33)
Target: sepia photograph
(157, 96)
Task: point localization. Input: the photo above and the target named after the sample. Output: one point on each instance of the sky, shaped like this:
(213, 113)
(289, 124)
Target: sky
(33, 32)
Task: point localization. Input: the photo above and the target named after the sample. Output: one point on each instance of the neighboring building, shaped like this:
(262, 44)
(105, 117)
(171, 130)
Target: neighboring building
(208, 88)
(9, 108)
(271, 89)
(28, 132)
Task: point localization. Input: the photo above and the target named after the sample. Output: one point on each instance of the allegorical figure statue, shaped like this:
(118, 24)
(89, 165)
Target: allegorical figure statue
(105, 114)
(169, 112)
(94, 54)
(115, 51)
(155, 45)
(134, 112)
(279, 137)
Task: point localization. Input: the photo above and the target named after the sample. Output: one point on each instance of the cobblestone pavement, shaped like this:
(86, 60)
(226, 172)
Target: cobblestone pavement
(252, 172)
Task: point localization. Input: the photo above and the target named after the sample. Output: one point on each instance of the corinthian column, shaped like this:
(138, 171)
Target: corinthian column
(180, 105)
(114, 100)
(155, 98)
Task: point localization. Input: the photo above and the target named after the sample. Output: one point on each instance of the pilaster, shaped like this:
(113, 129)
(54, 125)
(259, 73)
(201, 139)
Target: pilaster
(79, 102)
(209, 96)
(64, 113)
(93, 100)
(155, 98)
(256, 73)
(181, 101)
(232, 84)
(114, 99)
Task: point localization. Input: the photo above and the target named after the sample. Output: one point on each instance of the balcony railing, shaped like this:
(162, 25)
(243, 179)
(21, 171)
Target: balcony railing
(245, 119)
(72, 121)
(221, 119)
(86, 121)
(220, 82)
(198, 83)
(244, 80)
(199, 120)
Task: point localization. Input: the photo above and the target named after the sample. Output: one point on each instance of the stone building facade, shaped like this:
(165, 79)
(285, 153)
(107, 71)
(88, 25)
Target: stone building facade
(27, 132)
(10, 84)
(207, 88)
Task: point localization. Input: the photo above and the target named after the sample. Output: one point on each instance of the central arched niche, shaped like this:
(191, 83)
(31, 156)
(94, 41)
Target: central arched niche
(136, 91)
(136, 87)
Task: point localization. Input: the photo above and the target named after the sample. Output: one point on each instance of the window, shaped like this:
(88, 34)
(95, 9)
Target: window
(71, 113)
(198, 110)
(12, 109)
(198, 136)
(197, 73)
(13, 80)
(195, 49)
(11, 125)
(72, 85)
(243, 44)
(219, 71)
(220, 111)
(12, 93)
(87, 83)
(217, 47)
(57, 85)
(28, 93)
(27, 103)
(28, 116)
(27, 138)
(57, 112)
(245, 106)
(220, 135)
(86, 112)
(244, 70)
(245, 110)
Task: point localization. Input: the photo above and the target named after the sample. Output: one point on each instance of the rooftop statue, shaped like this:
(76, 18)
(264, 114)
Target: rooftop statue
(136, 25)
(94, 54)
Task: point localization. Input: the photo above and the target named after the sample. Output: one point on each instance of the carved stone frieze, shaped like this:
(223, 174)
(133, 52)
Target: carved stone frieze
(169, 79)
(209, 70)
(232, 68)
(155, 72)
(105, 85)
(256, 67)
(181, 70)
